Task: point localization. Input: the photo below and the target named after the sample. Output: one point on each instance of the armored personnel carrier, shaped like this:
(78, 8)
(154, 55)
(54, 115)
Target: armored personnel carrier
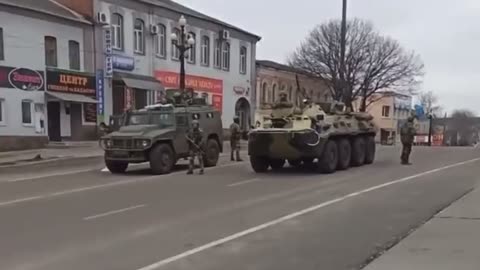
(325, 133)
(156, 134)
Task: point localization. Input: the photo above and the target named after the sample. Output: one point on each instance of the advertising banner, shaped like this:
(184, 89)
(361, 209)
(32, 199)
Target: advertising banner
(21, 78)
(71, 82)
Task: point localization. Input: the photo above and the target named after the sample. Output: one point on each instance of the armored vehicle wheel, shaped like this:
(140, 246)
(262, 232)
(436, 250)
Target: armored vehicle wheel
(358, 151)
(259, 164)
(116, 167)
(370, 150)
(327, 163)
(162, 159)
(277, 164)
(344, 154)
(212, 153)
(295, 162)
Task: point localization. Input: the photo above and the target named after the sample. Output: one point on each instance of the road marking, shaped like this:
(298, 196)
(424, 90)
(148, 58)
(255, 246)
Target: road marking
(294, 215)
(244, 182)
(114, 212)
(50, 175)
(113, 184)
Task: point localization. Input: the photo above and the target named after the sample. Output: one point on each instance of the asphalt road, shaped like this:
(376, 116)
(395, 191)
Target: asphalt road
(229, 218)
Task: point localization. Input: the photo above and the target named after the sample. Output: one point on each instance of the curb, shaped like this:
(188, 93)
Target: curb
(48, 161)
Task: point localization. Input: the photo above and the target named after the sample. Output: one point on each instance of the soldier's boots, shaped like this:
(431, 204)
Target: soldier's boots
(238, 157)
(201, 172)
(189, 172)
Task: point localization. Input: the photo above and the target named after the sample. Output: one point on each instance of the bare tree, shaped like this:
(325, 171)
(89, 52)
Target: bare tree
(429, 101)
(372, 62)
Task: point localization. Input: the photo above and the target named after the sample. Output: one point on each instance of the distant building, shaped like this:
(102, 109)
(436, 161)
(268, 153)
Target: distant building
(273, 78)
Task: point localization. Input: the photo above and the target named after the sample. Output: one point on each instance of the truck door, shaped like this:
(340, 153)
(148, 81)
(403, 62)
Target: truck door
(180, 142)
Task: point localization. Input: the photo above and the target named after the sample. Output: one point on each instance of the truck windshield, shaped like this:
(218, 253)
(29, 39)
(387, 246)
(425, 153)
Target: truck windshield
(163, 120)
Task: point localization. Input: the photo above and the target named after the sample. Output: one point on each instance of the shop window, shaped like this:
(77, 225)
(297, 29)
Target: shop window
(2, 54)
(27, 112)
(50, 51)
(139, 37)
(226, 56)
(243, 60)
(2, 112)
(192, 53)
(74, 54)
(161, 41)
(386, 111)
(217, 61)
(175, 50)
(205, 51)
(117, 31)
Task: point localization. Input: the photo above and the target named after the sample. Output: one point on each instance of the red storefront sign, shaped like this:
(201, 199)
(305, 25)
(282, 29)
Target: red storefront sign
(213, 87)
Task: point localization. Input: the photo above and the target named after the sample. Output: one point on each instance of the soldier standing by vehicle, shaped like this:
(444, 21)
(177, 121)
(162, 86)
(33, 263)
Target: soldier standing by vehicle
(407, 134)
(195, 143)
(235, 136)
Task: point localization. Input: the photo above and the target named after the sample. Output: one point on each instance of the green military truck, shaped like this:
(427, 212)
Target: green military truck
(156, 134)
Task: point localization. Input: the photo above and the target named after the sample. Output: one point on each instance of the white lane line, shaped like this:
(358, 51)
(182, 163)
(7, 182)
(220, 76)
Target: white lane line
(244, 182)
(113, 184)
(114, 212)
(292, 216)
(50, 175)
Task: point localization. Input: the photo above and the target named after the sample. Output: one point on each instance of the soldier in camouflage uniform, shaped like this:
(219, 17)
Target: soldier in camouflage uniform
(407, 134)
(235, 136)
(195, 146)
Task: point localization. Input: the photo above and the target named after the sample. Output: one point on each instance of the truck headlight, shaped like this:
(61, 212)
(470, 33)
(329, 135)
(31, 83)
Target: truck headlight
(142, 143)
(108, 143)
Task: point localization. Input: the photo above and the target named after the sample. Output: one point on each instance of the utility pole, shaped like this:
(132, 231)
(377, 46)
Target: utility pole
(343, 40)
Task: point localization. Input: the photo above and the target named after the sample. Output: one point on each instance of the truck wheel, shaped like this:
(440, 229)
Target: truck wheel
(116, 167)
(295, 162)
(277, 164)
(358, 151)
(329, 159)
(259, 164)
(212, 153)
(162, 159)
(344, 154)
(370, 150)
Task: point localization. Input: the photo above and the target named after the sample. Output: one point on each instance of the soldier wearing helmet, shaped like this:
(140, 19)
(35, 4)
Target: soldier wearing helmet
(235, 136)
(195, 146)
(407, 135)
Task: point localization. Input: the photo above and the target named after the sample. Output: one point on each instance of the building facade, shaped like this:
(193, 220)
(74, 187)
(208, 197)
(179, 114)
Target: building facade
(136, 58)
(274, 78)
(37, 39)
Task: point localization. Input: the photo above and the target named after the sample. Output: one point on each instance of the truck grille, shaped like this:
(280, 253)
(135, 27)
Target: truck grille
(123, 143)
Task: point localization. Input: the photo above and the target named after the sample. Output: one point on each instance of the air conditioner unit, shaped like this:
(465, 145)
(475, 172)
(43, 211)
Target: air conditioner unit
(225, 34)
(154, 29)
(102, 18)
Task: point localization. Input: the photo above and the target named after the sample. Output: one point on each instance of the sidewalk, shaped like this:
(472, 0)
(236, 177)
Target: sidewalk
(449, 241)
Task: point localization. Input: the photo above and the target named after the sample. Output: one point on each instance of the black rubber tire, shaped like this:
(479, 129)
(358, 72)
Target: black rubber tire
(344, 154)
(116, 167)
(212, 153)
(295, 162)
(370, 149)
(327, 163)
(277, 164)
(259, 164)
(162, 159)
(358, 151)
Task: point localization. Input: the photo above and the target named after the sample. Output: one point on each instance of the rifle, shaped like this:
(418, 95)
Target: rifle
(195, 145)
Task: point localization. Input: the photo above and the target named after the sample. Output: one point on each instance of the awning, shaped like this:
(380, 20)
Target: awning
(140, 82)
(72, 97)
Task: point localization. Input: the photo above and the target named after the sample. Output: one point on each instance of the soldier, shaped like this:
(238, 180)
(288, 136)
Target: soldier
(235, 135)
(407, 134)
(195, 143)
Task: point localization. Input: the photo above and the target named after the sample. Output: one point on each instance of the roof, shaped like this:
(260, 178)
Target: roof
(278, 66)
(171, 5)
(49, 7)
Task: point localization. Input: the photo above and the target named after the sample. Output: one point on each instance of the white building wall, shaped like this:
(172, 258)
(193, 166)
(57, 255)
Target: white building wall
(24, 47)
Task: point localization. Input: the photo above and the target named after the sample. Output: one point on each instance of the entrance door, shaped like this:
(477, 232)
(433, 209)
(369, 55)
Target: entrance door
(242, 110)
(53, 109)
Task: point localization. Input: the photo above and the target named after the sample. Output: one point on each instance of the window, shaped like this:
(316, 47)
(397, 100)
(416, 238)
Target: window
(210, 115)
(264, 96)
(196, 116)
(175, 51)
(2, 111)
(386, 111)
(50, 51)
(226, 56)
(217, 54)
(161, 41)
(2, 54)
(139, 37)
(290, 93)
(205, 51)
(274, 93)
(192, 53)
(243, 60)
(74, 54)
(27, 112)
(117, 31)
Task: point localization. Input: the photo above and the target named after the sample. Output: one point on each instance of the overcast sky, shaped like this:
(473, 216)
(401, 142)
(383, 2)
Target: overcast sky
(446, 34)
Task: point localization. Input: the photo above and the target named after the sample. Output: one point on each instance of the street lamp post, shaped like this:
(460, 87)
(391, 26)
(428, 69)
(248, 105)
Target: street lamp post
(183, 44)
(430, 128)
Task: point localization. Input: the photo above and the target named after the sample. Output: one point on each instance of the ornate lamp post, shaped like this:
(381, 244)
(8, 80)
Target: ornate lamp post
(183, 44)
